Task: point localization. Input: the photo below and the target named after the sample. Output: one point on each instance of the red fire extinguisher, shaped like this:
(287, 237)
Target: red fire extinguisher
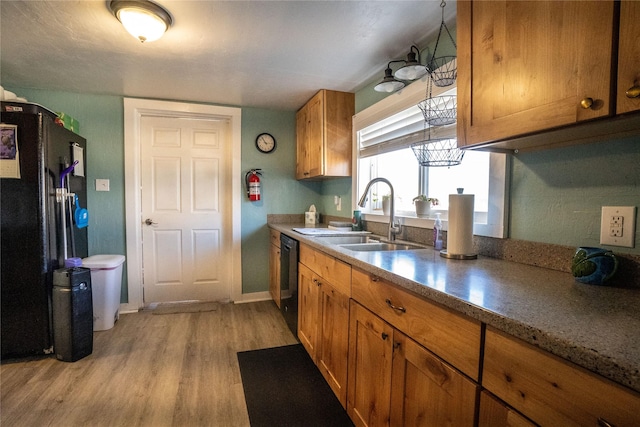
(252, 181)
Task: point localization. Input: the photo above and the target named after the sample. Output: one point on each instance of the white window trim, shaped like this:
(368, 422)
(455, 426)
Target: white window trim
(399, 101)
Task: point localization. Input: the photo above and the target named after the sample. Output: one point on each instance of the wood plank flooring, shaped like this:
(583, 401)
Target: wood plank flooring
(149, 370)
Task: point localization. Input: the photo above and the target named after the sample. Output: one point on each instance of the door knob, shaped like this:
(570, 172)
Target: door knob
(149, 221)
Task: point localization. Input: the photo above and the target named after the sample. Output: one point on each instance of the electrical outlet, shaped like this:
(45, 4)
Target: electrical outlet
(617, 226)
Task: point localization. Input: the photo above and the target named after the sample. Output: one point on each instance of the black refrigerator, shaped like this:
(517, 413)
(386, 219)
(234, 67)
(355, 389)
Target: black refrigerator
(34, 152)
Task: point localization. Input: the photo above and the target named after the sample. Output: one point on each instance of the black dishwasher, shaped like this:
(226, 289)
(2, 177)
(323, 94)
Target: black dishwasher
(289, 282)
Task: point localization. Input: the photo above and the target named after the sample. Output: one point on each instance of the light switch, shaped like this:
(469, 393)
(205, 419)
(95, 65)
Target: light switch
(102, 185)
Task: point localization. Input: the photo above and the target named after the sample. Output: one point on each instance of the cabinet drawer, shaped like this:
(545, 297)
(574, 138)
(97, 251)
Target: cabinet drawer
(275, 237)
(451, 336)
(335, 271)
(552, 391)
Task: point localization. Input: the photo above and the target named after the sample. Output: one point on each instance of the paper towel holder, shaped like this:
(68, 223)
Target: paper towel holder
(445, 254)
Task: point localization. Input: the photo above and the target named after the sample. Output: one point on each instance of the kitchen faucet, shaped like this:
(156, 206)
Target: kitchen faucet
(393, 227)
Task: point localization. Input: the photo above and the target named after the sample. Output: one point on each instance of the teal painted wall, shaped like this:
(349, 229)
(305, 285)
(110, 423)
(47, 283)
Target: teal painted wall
(281, 193)
(102, 125)
(557, 195)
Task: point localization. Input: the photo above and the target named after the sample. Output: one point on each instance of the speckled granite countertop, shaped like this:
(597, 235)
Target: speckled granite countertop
(596, 327)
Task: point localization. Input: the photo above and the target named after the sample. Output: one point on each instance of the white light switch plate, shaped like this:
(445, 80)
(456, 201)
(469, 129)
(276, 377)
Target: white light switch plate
(618, 226)
(102, 185)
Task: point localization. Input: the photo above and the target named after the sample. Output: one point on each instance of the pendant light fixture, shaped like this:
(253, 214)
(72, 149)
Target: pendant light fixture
(143, 19)
(412, 68)
(389, 83)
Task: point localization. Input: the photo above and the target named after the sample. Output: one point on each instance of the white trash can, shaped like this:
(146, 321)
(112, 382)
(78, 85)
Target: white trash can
(106, 282)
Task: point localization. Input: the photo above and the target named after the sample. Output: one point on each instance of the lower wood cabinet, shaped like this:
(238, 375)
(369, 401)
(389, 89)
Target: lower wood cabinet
(495, 413)
(274, 267)
(551, 391)
(323, 315)
(450, 335)
(394, 381)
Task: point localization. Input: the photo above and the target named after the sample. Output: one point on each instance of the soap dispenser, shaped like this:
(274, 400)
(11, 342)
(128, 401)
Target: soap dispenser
(437, 233)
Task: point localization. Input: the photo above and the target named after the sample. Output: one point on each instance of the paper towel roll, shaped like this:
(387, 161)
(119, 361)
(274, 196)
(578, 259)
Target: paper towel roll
(460, 233)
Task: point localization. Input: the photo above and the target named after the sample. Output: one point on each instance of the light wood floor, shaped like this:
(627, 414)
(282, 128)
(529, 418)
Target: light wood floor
(149, 370)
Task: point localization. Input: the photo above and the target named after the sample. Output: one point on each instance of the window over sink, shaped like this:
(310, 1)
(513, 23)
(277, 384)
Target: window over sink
(383, 134)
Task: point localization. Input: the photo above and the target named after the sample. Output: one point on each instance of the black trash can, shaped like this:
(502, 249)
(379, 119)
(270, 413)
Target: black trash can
(72, 313)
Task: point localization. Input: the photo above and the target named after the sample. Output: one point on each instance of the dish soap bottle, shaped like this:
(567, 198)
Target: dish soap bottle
(437, 233)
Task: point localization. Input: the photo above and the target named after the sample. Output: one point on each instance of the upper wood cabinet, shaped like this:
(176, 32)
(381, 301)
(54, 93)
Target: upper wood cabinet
(529, 66)
(629, 58)
(323, 134)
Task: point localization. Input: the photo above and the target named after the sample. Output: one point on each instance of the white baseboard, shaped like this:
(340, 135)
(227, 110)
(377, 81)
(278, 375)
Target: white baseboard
(253, 297)
(126, 308)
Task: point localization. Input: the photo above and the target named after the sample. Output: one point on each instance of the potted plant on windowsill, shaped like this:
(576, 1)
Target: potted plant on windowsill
(423, 205)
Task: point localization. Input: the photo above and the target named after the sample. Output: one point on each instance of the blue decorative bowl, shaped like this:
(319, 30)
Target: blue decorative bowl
(593, 266)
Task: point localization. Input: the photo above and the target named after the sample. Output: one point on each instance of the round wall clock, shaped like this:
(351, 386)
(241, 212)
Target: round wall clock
(265, 143)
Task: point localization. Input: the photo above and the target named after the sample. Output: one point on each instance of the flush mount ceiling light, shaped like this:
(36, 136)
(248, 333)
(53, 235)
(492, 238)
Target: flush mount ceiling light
(389, 83)
(143, 19)
(412, 68)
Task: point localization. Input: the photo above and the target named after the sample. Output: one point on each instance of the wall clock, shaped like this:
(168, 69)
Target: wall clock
(265, 143)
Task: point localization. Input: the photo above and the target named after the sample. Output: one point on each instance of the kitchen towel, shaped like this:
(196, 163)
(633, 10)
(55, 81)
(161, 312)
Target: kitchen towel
(460, 232)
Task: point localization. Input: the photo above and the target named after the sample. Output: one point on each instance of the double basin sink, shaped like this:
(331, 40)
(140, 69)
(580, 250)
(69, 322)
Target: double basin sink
(366, 244)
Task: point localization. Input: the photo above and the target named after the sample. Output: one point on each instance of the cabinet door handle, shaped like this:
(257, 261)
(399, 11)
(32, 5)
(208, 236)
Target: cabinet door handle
(604, 423)
(384, 336)
(633, 91)
(395, 307)
(375, 279)
(317, 282)
(586, 103)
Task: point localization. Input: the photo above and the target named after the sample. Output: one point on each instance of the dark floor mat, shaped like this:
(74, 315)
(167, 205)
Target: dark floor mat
(283, 387)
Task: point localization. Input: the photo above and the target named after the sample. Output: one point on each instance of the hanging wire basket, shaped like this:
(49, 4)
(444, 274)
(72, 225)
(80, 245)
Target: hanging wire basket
(443, 70)
(438, 152)
(439, 110)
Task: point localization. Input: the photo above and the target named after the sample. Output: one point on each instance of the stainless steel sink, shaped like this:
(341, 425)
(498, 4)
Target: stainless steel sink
(379, 246)
(345, 240)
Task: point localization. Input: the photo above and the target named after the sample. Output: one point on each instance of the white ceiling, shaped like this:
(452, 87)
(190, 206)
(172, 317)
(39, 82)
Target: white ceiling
(267, 54)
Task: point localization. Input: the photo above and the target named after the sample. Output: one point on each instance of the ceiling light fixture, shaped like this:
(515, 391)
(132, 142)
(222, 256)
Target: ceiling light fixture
(389, 83)
(143, 19)
(412, 69)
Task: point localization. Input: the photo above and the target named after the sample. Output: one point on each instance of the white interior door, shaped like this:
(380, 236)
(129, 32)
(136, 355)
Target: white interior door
(185, 209)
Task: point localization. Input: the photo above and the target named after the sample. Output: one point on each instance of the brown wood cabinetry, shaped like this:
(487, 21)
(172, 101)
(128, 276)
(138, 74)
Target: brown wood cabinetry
(629, 58)
(395, 381)
(525, 67)
(274, 267)
(323, 134)
(453, 337)
(494, 413)
(323, 315)
(551, 391)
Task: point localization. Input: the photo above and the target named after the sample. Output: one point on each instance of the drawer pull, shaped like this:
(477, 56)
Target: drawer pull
(634, 91)
(395, 307)
(604, 423)
(586, 103)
